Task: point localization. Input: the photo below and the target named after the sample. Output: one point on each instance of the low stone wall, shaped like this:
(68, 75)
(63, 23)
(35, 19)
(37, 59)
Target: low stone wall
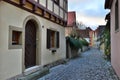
(74, 52)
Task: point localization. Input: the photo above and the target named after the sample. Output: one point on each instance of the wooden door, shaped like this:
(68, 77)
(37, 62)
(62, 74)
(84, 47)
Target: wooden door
(30, 44)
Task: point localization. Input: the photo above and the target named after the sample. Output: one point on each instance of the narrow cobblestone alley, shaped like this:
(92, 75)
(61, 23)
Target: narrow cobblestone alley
(89, 66)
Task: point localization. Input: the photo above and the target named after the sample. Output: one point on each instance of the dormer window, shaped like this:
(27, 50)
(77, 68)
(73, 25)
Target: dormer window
(56, 1)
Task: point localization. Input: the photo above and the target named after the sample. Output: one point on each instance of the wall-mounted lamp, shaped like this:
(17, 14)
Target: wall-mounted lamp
(42, 26)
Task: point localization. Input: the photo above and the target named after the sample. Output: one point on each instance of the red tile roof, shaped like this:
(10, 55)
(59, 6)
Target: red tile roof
(71, 19)
(83, 33)
(100, 29)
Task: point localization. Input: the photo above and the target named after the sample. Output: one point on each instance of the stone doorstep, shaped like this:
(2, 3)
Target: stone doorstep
(35, 75)
(32, 70)
(38, 71)
(32, 74)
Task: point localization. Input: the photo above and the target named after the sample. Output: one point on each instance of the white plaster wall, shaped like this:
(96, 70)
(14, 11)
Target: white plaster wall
(61, 13)
(56, 9)
(65, 5)
(115, 40)
(50, 5)
(66, 16)
(61, 3)
(43, 2)
(11, 59)
(10, 63)
(47, 56)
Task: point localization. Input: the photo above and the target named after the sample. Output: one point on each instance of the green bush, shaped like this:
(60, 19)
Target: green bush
(74, 43)
(105, 39)
(84, 42)
(77, 43)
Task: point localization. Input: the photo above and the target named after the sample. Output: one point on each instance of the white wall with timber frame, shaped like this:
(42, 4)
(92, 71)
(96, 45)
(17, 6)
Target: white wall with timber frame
(12, 60)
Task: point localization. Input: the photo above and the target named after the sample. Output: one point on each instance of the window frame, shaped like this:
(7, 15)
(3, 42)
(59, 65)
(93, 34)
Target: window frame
(56, 39)
(11, 45)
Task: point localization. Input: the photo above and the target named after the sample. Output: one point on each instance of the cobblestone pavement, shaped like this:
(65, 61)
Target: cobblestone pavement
(89, 66)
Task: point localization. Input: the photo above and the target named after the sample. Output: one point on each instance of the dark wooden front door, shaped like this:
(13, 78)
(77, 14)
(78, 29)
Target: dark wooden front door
(30, 44)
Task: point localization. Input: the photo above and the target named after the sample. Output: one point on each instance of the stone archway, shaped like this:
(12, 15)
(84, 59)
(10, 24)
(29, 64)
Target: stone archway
(31, 43)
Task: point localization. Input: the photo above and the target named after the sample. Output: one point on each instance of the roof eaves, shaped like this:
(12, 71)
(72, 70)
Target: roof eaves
(108, 4)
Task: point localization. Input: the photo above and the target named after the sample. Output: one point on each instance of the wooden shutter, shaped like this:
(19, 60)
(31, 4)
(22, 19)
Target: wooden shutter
(57, 40)
(48, 38)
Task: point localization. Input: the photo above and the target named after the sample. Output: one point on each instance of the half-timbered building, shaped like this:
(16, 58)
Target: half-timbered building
(32, 33)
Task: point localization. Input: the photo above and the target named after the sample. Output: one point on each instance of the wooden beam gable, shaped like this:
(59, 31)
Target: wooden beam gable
(37, 9)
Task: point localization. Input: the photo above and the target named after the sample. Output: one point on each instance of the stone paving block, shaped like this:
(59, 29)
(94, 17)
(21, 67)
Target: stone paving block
(89, 66)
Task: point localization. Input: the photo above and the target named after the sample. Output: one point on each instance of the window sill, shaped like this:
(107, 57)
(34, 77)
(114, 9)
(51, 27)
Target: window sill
(53, 48)
(15, 46)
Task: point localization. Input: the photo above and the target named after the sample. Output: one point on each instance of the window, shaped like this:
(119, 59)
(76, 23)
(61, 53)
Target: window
(65, 5)
(15, 37)
(116, 16)
(52, 39)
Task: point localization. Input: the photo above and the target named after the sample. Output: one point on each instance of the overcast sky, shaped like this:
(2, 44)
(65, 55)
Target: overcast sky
(89, 12)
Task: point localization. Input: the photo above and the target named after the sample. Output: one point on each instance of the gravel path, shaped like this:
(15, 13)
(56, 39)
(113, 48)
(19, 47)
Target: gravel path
(89, 66)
